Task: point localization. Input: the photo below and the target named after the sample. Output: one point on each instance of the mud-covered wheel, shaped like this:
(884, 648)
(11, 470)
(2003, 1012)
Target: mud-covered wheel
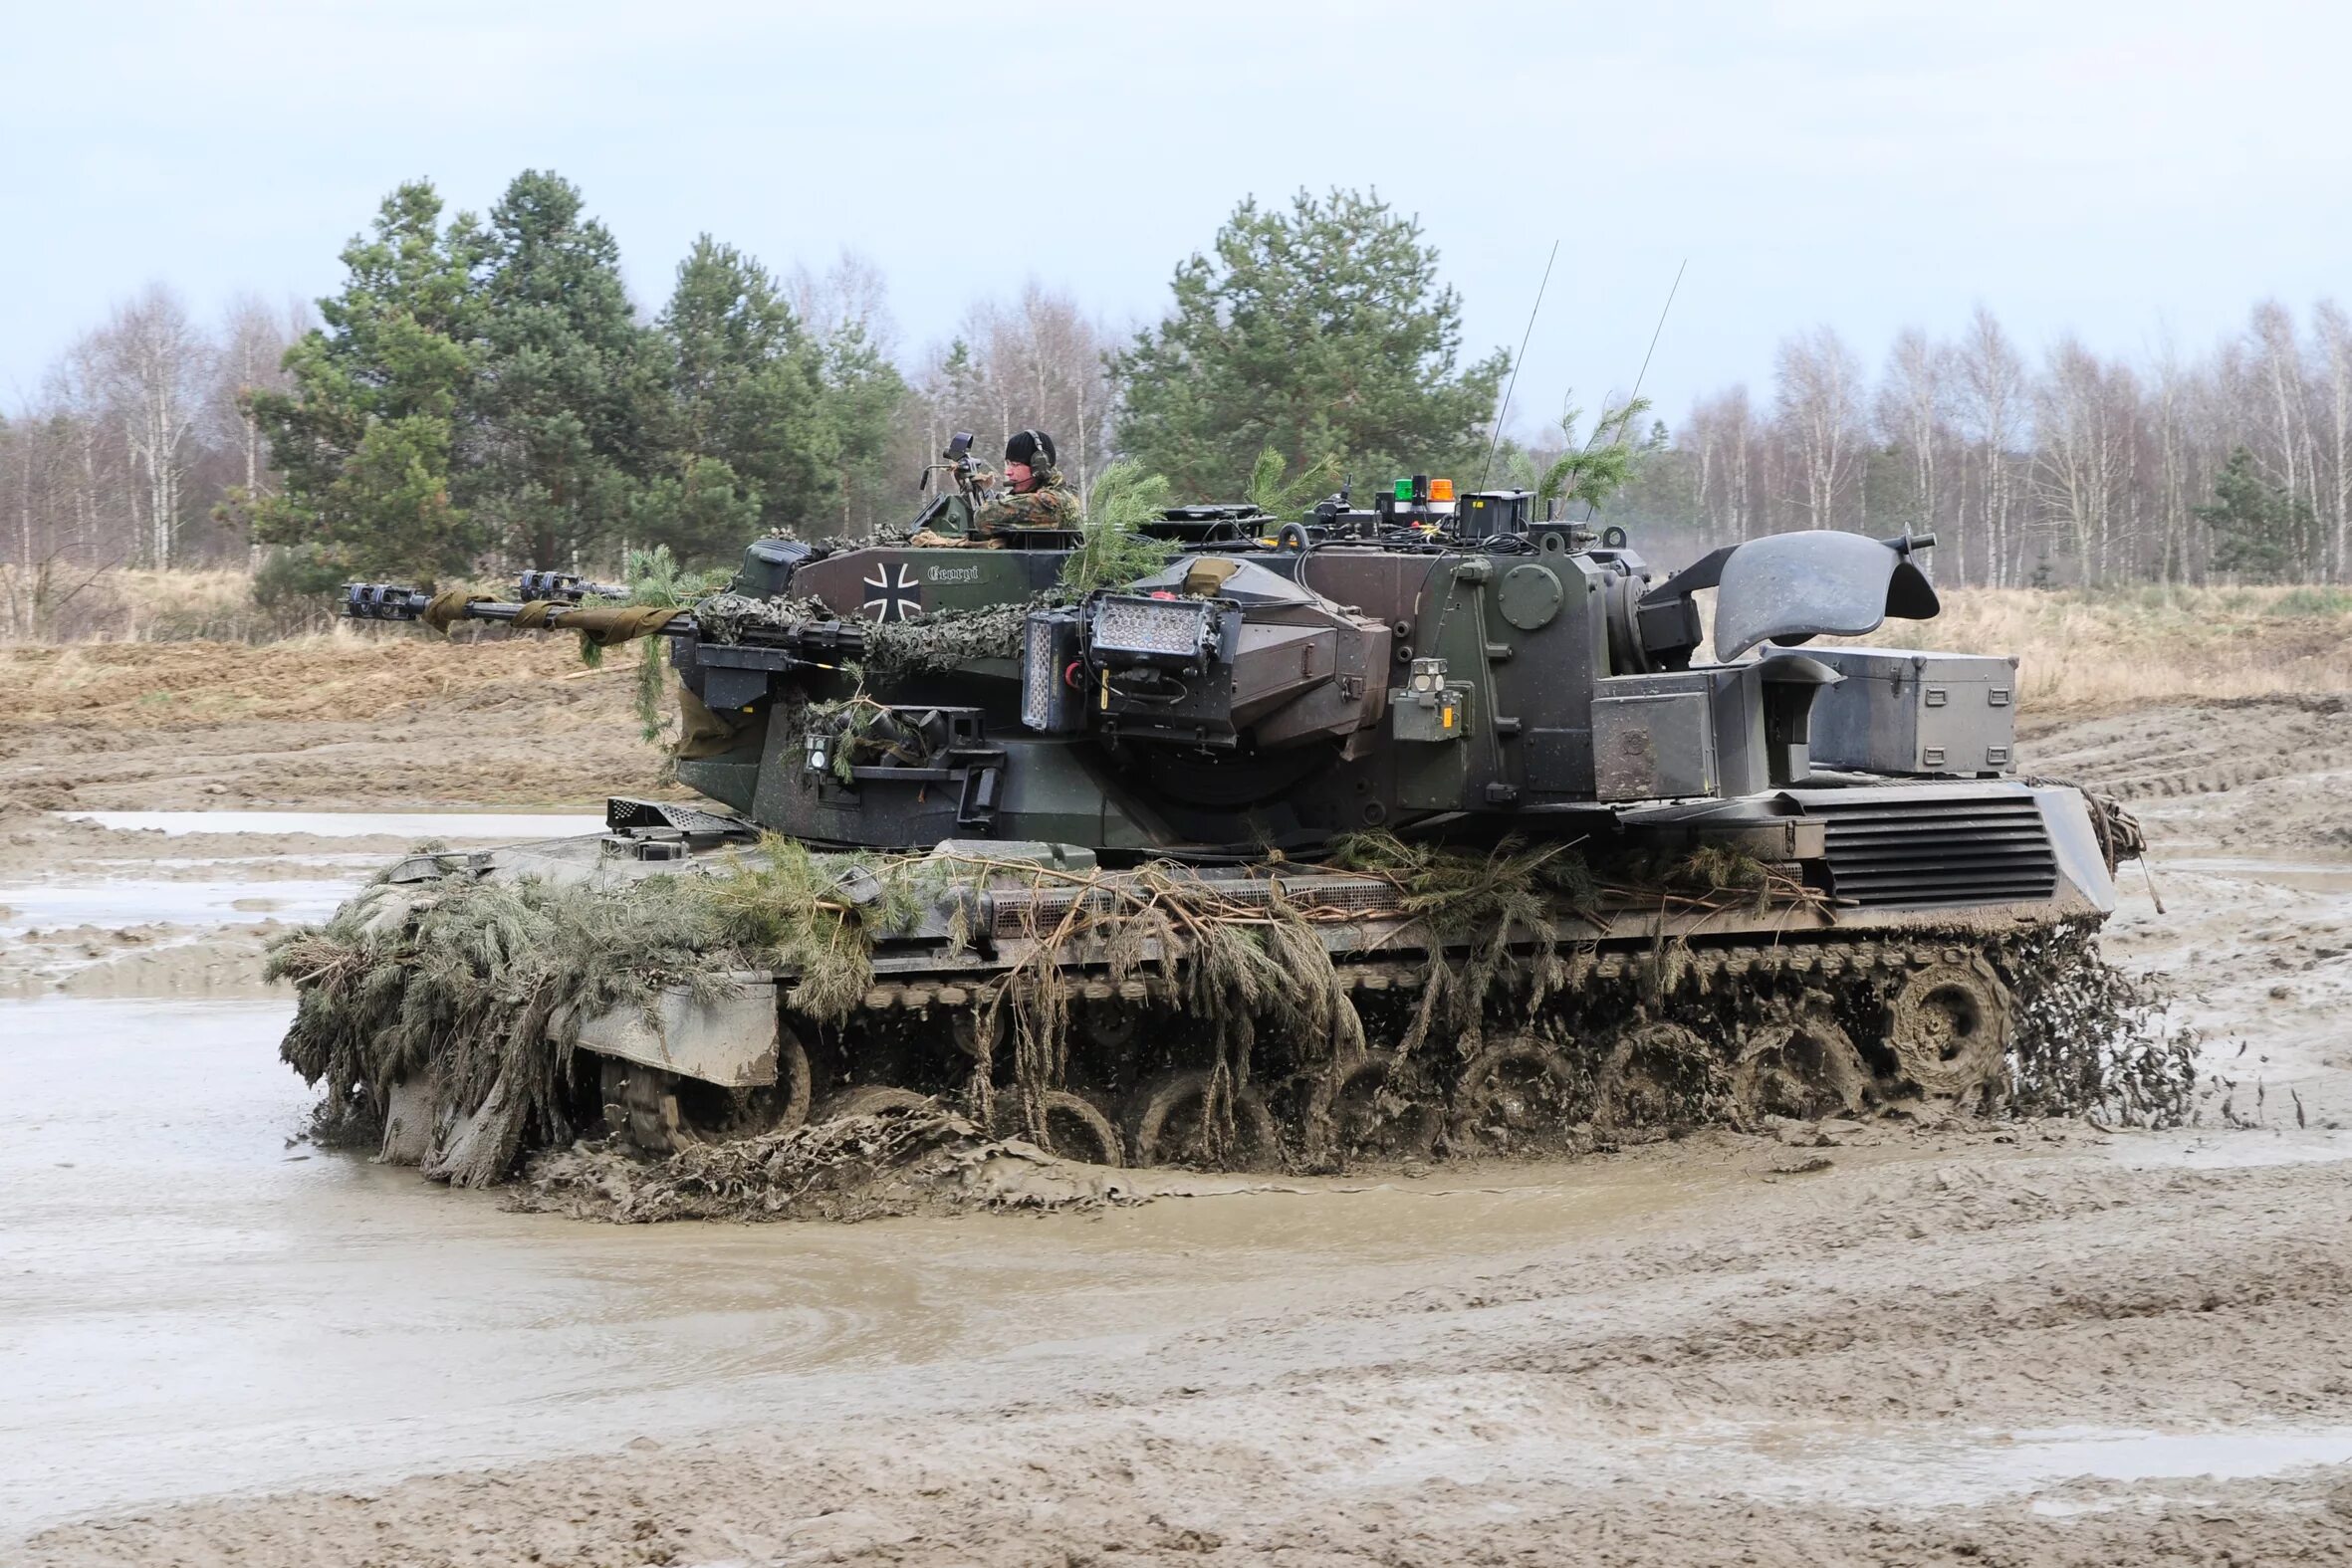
(1950, 1027)
(1520, 1090)
(868, 1099)
(1657, 1075)
(1075, 1128)
(1169, 1127)
(1109, 1026)
(1367, 1114)
(661, 1111)
(1806, 1067)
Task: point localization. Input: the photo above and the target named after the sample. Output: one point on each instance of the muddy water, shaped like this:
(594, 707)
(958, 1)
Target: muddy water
(449, 827)
(134, 902)
(189, 1305)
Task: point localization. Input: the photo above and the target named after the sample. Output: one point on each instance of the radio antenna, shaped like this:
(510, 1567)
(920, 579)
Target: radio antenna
(1512, 385)
(1641, 376)
(1643, 373)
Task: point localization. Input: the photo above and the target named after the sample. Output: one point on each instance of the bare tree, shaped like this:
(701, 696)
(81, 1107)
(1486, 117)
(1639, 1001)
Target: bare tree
(1992, 401)
(1820, 405)
(2335, 354)
(2085, 460)
(2175, 504)
(1914, 408)
(1723, 437)
(149, 366)
(253, 340)
(1034, 361)
(2278, 361)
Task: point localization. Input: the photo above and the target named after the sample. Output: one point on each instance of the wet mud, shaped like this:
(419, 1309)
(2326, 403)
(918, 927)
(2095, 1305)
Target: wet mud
(2042, 1342)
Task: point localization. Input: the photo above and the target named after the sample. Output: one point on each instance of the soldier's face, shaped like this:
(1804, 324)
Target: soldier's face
(1016, 475)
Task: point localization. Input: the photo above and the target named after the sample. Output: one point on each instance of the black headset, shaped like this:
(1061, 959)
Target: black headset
(1041, 446)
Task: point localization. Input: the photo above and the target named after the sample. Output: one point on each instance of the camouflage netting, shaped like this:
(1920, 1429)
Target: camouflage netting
(727, 617)
(945, 640)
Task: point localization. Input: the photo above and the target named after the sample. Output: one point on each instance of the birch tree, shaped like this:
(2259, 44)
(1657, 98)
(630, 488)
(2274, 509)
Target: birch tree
(1819, 404)
(150, 366)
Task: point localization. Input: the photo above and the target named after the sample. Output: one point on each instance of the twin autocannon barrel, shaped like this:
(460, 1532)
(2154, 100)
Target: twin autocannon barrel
(607, 625)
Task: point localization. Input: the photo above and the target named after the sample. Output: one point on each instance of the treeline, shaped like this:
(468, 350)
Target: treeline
(2061, 468)
(482, 392)
(123, 452)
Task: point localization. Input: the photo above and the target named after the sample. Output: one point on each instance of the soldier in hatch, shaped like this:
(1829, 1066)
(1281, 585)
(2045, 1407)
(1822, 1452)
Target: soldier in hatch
(1035, 496)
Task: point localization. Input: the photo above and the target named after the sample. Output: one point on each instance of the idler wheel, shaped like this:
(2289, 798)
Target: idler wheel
(865, 1099)
(1658, 1074)
(1807, 1068)
(1075, 1127)
(1366, 1116)
(660, 1111)
(1170, 1126)
(1949, 1026)
(1521, 1089)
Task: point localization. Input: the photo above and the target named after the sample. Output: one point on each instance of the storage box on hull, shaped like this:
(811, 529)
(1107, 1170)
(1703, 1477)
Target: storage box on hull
(1908, 713)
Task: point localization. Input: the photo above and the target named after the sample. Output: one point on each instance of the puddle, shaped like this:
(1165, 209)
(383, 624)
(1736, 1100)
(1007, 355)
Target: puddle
(448, 825)
(115, 905)
(1854, 1467)
(189, 1305)
(2246, 1149)
(2306, 875)
(2036, 1459)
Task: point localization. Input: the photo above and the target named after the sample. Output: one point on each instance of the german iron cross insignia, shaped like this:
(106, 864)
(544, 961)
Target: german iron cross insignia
(890, 593)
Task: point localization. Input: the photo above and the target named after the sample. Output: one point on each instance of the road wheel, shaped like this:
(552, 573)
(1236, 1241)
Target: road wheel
(1806, 1067)
(1075, 1128)
(1658, 1075)
(661, 1111)
(1368, 1115)
(1522, 1089)
(866, 1099)
(1950, 1027)
(1170, 1127)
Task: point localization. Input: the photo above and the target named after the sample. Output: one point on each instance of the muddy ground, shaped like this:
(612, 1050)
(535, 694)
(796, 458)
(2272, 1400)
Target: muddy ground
(2043, 1344)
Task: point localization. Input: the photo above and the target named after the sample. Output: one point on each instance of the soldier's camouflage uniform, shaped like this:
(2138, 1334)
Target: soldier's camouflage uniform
(1051, 504)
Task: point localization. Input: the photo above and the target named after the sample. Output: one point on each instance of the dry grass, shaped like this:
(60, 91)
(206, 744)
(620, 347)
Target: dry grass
(2096, 652)
(2079, 652)
(347, 673)
(213, 605)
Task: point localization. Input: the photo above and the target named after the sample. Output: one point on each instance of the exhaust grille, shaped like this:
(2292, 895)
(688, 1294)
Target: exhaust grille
(1920, 855)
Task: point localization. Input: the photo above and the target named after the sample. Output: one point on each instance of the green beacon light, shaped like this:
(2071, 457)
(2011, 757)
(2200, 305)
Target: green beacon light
(1404, 490)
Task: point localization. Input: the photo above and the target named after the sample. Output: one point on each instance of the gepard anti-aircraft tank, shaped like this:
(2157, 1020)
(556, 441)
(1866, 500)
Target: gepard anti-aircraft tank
(1387, 829)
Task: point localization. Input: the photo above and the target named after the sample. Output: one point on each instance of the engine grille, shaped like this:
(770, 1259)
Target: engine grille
(1923, 853)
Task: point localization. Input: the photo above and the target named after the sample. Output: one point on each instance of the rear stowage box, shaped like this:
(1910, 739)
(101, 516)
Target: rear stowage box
(1908, 714)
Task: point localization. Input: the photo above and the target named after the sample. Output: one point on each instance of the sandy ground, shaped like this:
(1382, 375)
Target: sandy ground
(2050, 1344)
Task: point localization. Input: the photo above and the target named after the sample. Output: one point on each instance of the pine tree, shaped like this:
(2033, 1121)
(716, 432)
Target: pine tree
(366, 430)
(748, 438)
(1319, 331)
(2260, 532)
(568, 400)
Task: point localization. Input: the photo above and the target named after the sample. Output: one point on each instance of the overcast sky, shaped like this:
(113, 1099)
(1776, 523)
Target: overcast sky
(2119, 169)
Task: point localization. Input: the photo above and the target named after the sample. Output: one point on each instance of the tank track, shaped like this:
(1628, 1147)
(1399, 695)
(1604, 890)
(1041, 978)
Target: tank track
(1629, 1045)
